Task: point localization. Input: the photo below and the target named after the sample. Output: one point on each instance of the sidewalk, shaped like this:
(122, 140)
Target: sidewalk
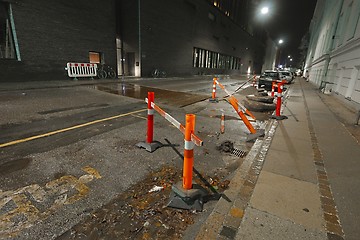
(297, 182)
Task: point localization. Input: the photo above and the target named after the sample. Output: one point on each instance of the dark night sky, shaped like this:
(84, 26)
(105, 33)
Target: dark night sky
(288, 20)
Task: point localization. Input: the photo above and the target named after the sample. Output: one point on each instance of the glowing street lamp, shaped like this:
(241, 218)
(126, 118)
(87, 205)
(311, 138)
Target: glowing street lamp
(264, 10)
(281, 41)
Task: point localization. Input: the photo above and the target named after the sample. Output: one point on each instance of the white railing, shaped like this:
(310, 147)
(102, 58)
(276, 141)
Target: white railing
(81, 69)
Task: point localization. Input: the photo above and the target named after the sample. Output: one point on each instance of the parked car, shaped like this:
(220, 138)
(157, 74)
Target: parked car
(266, 78)
(288, 76)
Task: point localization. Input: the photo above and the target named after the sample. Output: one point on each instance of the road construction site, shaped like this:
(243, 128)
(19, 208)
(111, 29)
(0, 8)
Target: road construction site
(71, 168)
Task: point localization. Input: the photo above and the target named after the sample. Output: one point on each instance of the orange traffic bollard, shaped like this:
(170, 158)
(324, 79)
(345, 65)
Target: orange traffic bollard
(222, 123)
(213, 95)
(188, 152)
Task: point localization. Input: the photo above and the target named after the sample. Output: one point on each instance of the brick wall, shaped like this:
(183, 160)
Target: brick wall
(52, 33)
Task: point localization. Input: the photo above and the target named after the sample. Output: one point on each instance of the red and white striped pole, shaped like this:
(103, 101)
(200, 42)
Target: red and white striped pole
(278, 115)
(279, 98)
(222, 123)
(188, 152)
(150, 118)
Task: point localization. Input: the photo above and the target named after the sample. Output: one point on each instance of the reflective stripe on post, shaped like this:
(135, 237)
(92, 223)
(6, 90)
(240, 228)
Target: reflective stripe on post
(188, 151)
(150, 118)
(273, 88)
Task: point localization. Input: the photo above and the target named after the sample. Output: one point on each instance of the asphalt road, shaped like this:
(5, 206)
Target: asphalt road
(66, 151)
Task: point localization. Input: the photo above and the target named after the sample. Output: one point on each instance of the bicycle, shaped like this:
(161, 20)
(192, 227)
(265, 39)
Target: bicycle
(105, 71)
(158, 74)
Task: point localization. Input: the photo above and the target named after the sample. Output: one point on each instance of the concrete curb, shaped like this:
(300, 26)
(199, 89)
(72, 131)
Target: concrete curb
(226, 217)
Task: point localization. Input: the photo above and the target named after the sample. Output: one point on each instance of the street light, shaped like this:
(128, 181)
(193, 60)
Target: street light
(264, 10)
(279, 52)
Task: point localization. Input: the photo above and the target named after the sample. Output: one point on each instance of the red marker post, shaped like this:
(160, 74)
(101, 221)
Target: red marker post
(278, 115)
(150, 118)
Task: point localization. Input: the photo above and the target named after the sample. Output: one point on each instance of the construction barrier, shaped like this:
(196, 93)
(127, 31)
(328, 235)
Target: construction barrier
(76, 70)
(150, 145)
(278, 116)
(241, 110)
(215, 80)
(183, 194)
(234, 103)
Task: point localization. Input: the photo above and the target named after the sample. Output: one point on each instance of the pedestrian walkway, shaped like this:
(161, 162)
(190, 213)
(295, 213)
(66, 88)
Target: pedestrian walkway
(300, 182)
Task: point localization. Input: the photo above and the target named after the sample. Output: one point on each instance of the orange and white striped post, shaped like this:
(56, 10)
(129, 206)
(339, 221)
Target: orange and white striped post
(222, 123)
(213, 94)
(188, 152)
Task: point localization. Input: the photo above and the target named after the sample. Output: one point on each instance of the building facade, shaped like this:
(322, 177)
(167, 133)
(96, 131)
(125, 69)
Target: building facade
(333, 55)
(180, 37)
(188, 37)
(38, 37)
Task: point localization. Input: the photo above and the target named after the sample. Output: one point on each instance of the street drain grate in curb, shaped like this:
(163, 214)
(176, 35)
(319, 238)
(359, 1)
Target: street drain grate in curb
(238, 152)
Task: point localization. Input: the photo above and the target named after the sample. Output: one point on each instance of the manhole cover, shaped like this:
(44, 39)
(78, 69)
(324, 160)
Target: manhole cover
(228, 147)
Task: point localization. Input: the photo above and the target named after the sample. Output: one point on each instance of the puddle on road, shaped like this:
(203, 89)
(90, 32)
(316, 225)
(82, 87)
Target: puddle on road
(174, 98)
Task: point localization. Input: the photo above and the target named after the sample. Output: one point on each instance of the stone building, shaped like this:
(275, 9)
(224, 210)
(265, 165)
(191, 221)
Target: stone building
(333, 57)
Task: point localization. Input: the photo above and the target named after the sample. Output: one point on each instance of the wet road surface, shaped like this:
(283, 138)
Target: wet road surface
(63, 177)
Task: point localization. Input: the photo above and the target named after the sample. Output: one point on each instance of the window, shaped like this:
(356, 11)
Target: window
(8, 42)
(354, 18)
(94, 57)
(208, 59)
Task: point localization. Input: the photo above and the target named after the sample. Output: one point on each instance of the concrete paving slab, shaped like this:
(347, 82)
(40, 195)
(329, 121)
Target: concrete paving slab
(259, 225)
(290, 164)
(290, 199)
(285, 141)
(291, 129)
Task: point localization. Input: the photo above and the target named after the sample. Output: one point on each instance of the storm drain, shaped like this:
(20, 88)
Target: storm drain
(228, 147)
(238, 152)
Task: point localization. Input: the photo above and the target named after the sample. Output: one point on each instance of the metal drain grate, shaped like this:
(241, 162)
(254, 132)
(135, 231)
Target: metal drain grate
(238, 152)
